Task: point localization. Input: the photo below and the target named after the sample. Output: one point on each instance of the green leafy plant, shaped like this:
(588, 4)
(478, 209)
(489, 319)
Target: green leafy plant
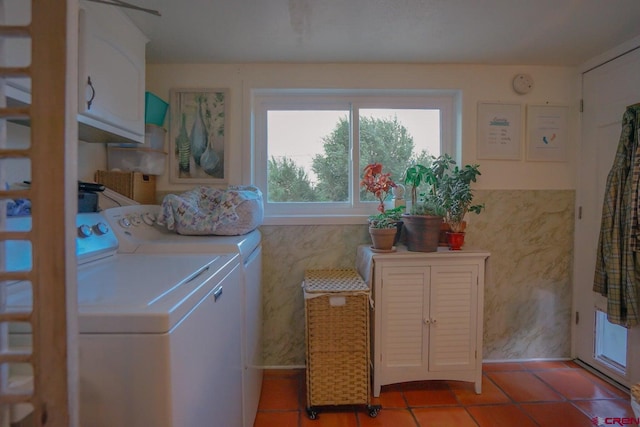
(447, 189)
(426, 203)
(454, 194)
(386, 219)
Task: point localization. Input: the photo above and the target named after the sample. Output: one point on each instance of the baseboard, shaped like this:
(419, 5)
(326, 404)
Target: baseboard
(282, 367)
(542, 359)
(545, 359)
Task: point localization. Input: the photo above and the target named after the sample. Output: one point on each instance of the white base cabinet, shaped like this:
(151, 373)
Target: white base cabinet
(427, 320)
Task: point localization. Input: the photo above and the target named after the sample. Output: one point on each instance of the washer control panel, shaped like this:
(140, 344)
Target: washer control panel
(134, 225)
(136, 219)
(94, 236)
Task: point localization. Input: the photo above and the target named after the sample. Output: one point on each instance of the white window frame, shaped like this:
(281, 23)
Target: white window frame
(352, 211)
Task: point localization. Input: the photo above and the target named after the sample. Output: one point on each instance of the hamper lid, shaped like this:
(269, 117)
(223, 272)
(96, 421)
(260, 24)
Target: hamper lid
(333, 281)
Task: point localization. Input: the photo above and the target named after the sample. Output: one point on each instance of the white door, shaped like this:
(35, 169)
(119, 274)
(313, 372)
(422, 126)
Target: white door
(607, 91)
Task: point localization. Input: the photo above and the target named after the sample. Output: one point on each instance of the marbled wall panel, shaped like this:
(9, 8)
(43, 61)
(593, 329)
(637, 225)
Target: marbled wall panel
(287, 252)
(527, 297)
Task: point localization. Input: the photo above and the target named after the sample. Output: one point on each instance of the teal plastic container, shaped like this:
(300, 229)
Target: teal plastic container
(155, 109)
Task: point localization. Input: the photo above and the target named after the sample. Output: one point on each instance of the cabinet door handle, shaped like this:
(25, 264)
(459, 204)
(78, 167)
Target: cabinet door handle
(434, 321)
(217, 294)
(197, 273)
(93, 93)
(426, 321)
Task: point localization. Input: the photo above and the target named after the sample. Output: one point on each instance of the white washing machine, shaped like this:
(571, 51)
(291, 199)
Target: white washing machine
(159, 333)
(138, 233)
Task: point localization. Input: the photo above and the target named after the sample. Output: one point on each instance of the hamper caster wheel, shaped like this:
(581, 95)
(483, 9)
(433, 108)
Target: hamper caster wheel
(312, 414)
(373, 411)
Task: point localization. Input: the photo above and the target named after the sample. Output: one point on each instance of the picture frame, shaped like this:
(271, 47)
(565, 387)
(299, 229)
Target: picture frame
(198, 141)
(547, 133)
(499, 129)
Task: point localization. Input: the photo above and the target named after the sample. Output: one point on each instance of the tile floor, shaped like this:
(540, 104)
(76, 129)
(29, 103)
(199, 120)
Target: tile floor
(514, 395)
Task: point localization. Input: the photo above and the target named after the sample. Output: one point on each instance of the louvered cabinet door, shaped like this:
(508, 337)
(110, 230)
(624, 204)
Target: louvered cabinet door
(404, 338)
(453, 314)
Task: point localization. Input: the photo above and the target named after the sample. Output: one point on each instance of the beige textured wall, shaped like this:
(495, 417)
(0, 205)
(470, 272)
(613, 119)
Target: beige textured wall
(528, 225)
(527, 297)
(476, 83)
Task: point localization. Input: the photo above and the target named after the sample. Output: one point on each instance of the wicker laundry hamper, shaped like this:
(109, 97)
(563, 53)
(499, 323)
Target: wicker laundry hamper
(337, 340)
(635, 399)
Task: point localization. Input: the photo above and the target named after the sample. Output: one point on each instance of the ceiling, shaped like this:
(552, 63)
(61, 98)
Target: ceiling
(523, 32)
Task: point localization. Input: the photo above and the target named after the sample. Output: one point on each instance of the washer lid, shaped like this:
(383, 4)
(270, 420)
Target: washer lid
(139, 293)
(142, 235)
(169, 242)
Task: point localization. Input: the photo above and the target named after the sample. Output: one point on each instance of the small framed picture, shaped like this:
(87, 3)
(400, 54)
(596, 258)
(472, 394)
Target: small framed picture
(498, 132)
(198, 144)
(547, 133)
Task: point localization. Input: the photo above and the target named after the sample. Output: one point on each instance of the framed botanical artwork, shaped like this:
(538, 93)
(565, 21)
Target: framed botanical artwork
(498, 131)
(547, 133)
(198, 143)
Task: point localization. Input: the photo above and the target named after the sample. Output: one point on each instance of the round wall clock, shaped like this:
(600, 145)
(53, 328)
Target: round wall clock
(522, 83)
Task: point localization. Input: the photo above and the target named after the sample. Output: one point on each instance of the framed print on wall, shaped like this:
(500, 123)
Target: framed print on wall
(547, 133)
(498, 132)
(198, 144)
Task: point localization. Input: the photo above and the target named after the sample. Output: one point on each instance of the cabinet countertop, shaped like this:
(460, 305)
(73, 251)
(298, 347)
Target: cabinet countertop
(401, 250)
(366, 255)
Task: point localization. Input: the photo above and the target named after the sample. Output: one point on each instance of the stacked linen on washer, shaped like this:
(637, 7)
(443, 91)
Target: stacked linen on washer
(211, 211)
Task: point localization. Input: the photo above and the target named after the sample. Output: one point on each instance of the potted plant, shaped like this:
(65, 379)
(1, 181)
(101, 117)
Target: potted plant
(422, 223)
(382, 226)
(385, 227)
(455, 196)
(377, 183)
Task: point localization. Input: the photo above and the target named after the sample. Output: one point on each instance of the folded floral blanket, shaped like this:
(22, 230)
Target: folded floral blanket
(211, 211)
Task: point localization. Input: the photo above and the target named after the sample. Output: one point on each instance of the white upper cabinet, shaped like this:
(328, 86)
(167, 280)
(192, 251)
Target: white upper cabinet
(111, 73)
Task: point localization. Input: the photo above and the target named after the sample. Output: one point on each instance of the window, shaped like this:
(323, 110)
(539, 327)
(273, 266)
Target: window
(610, 343)
(310, 146)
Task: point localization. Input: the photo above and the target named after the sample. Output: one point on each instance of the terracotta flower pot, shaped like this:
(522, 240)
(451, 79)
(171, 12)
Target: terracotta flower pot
(383, 238)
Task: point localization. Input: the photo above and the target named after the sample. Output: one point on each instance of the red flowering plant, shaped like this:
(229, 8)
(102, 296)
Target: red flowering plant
(377, 183)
